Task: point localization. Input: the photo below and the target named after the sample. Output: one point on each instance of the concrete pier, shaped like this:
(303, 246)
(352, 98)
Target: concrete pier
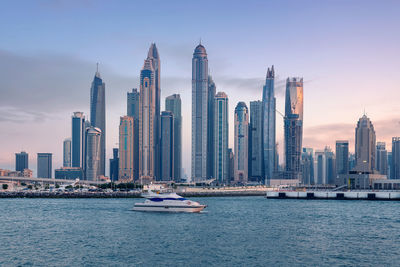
(348, 195)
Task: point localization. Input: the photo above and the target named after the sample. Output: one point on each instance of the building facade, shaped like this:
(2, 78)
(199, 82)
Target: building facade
(78, 140)
(269, 124)
(147, 134)
(21, 161)
(221, 138)
(365, 146)
(93, 153)
(133, 100)
(154, 58)
(395, 159)
(256, 151)
(67, 150)
(126, 148)
(199, 113)
(241, 143)
(69, 173)
(381, 163)
(114, 166)
(293, 127)
(98, 116)
(210, 128)
(173, 104)
(307, 166)
(167, 146)
(44, 165)
(342, 157)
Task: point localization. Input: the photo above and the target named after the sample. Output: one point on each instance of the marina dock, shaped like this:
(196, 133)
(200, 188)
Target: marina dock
(348, 195)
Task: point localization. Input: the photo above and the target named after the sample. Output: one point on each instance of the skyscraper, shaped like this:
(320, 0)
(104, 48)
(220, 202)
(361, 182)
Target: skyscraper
(21, 161)
(395, 169)
(256, 170)
(44, 165)
(365, 146)
(221, 135)
(231, 165)
(199, 113)
(93, 153)
(173, 104)
(307, 166)
(210, 128)
(67, 149)
(269, 103)
(342, 157)
(381, 164)
(320, 163)
(330, 166)
(98, 116)
(241, 143)
(154, 58)
(147, 125)
(114, 166)
(126, 148)
(167, 146)
(133, 100)
(78, 140)
(293, 123)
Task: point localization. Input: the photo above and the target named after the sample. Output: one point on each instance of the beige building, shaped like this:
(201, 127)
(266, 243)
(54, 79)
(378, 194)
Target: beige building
(126, 148)
(241, 143)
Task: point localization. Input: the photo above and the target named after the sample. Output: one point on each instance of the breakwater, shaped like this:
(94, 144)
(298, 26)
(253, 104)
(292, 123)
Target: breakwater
(135, 194)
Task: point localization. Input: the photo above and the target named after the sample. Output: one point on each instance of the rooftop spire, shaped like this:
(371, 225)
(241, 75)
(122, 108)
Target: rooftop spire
(97, 70)
(153, 53)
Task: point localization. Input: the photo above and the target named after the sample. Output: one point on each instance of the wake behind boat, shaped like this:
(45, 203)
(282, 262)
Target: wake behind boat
(167, 202)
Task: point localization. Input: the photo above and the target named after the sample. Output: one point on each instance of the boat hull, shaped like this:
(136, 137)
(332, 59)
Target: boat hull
(164, 208)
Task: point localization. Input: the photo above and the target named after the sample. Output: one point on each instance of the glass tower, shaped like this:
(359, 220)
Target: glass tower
(269, 144)
(256, 164)
(133, 99)
(221, 135)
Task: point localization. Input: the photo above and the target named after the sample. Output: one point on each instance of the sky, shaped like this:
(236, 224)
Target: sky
(347, 52)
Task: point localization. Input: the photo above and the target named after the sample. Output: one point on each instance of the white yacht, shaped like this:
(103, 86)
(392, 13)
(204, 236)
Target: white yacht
(167, 202)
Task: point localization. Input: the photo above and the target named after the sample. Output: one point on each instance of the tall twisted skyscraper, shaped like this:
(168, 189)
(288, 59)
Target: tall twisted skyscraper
(147, 129)
(269, 106)
(293, 124)
(154, 58)
(98, 116)
(199, 113)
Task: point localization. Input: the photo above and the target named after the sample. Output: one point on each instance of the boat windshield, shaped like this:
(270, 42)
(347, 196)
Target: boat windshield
(158, 199)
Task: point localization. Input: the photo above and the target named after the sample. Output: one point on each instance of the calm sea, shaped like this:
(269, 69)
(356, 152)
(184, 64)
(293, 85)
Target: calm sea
(245, 231)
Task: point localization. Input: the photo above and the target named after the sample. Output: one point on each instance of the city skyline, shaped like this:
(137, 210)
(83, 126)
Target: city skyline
(319, 96)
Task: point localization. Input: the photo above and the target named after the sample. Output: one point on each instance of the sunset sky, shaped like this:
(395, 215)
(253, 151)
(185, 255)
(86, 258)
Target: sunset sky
(348, 53)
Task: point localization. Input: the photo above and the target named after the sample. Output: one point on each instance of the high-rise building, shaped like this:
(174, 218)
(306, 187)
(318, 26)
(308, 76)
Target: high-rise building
(390, 166)
(381, 164)
(320, 167)
(330, 166)
(173, 104)
(241, 143)
(256, 170)
(269, 117)
(395, 166)
(98, 116)
(154, 58)
(114, 166)
(293, 124)
(199, 113)
(147, 126)
(352, 161)
(365, 146)
(342, 157)
(210, 128)
(44, 165)
(67, 149)
(78, 140)
(93, 153)
(133, 99)
(21, 161)
(221, 135)
(167, 146)
(126, 148)
(307, 166)
(231, 165)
